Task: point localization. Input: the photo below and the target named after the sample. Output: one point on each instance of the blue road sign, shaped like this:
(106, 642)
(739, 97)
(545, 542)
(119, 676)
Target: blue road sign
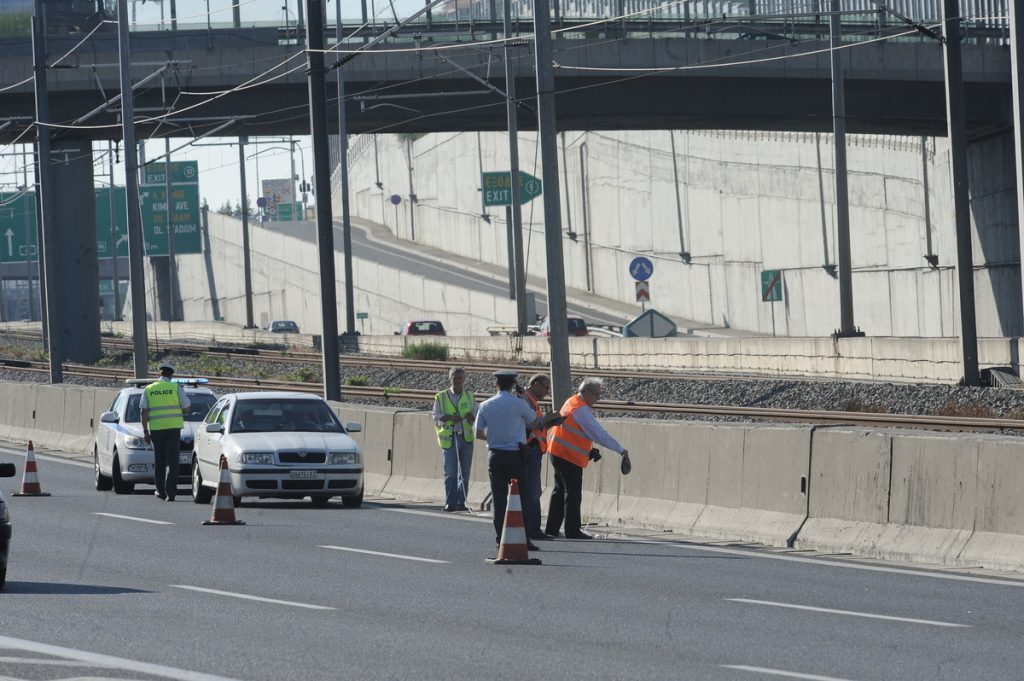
(641, 268)
(396, 199)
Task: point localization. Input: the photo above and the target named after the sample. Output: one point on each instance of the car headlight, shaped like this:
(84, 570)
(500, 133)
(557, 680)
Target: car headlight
(132, 442)
(262, 458)
(343, 458)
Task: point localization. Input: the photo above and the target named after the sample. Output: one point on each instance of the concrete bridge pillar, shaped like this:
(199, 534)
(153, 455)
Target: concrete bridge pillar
(75, 264)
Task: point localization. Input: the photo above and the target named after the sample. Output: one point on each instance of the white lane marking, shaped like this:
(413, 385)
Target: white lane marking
(851, 613)
(386, 555)
(829, 563)
(108, 660)
(247, 597)
(138, 520)
(781, 672)
(49, 662)
(447, 516)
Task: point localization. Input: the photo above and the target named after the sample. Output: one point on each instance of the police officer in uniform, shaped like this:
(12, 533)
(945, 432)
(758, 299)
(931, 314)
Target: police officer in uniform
(163, 405)
(503, 421)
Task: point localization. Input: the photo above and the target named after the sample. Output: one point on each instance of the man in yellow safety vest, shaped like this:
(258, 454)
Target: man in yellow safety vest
(163, 406)
(453, 414)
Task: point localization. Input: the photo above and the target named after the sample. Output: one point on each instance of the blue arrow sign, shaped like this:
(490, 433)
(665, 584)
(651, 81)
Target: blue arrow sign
(641, 268)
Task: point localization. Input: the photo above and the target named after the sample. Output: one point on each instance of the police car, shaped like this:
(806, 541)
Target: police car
(121, 457)
(6, 471)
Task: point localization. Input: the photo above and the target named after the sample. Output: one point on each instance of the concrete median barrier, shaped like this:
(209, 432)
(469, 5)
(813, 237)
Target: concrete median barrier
(49, 415)
(998, 537)
(754, 484)
(932, 498)
(416, 459)
(375, 443)
(79, 419)
(848, 489)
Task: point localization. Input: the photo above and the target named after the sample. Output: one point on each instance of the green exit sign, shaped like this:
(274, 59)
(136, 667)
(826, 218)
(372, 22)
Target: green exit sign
(497, 188)
(362, 315)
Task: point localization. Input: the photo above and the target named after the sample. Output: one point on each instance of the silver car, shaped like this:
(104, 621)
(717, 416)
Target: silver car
(278, 445)
(121, 457)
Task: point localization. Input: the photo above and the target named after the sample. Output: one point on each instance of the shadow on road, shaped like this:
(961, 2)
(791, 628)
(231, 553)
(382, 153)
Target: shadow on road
(61, 589)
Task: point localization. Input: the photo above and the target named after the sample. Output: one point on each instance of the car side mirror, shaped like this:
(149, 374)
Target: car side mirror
(214, 428)
(353, 427)
(108, 417)
(7, 470)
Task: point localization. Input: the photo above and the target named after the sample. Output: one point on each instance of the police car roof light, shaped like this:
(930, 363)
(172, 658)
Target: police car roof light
(193, 381)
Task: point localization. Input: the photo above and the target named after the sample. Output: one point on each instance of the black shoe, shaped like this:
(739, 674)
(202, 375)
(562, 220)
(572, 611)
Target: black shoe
(168, 498)
(530, 546)
(579, 535)
(160, 495)
(551, 535)
(450, 508)
(461, 507)
(540, 536)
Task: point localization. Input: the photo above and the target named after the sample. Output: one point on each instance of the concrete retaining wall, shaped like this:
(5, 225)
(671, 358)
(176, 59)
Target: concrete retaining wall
(953, 499)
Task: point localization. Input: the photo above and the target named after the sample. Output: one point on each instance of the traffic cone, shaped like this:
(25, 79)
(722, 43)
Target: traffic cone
(30, 480)
(513, 550)
(223, 503)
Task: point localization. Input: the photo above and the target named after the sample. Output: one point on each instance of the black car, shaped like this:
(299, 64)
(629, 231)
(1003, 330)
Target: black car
(6, 471)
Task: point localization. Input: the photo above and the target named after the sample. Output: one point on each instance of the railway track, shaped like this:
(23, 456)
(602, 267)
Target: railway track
(289, 356)
(421, 396)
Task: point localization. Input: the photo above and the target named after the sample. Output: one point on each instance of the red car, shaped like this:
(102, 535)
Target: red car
(422, 328)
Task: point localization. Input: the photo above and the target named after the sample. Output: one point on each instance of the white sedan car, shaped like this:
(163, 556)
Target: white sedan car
(278, 445)
(121, 457)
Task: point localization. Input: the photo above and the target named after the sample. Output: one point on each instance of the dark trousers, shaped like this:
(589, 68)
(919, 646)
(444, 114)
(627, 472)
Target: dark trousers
(566, 498)
(531, 490)
(502, 467)
(166, 452)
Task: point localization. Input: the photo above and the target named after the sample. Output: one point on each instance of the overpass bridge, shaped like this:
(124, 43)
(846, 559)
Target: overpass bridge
(728, 72)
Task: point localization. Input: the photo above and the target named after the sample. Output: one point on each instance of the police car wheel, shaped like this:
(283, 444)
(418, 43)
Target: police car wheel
(354, 501)
(120, 486)
(103, 483)
(319, 500)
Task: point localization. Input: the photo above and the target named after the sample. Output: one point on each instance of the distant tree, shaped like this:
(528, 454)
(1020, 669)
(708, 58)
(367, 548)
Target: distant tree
(225, 208)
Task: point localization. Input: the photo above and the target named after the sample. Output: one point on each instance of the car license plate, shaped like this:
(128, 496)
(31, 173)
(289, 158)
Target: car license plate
(184, 458)
(304, 475)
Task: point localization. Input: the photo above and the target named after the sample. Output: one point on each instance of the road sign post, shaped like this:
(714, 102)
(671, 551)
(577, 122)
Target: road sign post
(771, 290)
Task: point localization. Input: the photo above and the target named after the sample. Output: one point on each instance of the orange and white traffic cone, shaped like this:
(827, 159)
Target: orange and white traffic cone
(513, 549)
(30, 479)
(223, 502)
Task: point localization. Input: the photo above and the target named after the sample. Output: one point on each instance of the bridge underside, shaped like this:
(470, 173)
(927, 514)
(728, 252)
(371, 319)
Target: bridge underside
(890, 88)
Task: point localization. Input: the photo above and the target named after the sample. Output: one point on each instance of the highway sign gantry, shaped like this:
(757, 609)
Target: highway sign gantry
(497, 188)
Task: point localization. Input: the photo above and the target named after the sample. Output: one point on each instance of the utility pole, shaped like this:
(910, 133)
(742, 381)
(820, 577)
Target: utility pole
(547, 129)
(28, 233)
(172, 269)
(346, 221)
(1017, 71)
(47, 247)
(246, 256)
(511, 112)
(113, 231)
(846, 326)
(957, 126)
(322, 179)
(136, 273)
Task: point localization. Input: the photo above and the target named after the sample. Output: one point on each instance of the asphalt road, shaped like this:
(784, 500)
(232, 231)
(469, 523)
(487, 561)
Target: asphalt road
(463, 273)
(107, 586)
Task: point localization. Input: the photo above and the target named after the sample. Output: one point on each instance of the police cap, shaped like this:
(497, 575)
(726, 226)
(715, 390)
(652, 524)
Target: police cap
(166, 365)
(505, 373)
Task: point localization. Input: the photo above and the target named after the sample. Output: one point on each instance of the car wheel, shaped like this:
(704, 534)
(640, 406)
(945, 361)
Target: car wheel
(319, 500)
(120, 486)
(353, 502)
(3, 574)
(201, 494)
(103, 483)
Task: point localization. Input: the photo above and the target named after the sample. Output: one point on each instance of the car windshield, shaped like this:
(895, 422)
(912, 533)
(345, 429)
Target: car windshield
(201, 403)
(576, 325)
(284, 415)
(285, 326)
